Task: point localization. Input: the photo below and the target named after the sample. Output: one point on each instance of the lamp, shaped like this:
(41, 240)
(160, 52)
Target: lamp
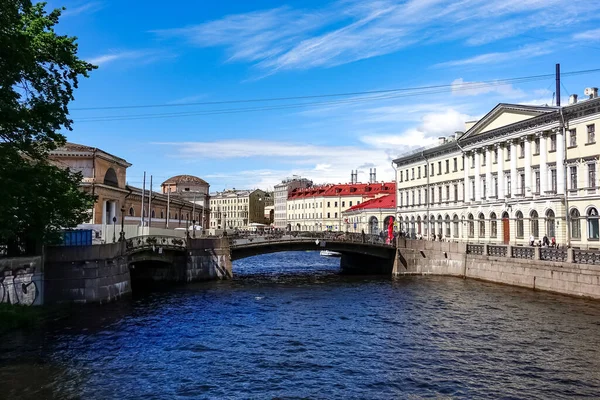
(114, 228)
(122, 233)
(194, 228)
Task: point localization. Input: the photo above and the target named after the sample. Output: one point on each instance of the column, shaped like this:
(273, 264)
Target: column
(466, 191)
(488, 172)
(560, 161)
(528, 186)
(513, 168)
(501, 188)
(543, 166)
(477, 175)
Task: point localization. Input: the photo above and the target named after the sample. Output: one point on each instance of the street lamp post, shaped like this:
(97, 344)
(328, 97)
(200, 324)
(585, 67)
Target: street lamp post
(122, 233)
(194, 228)
(114, 228)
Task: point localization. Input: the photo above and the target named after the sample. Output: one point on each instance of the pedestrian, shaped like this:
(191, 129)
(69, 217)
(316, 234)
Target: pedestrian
(553, 242)
(363, 235)
(545, 241)
(531, 240)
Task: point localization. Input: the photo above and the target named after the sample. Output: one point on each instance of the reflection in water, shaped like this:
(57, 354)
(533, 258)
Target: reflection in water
(289, 325)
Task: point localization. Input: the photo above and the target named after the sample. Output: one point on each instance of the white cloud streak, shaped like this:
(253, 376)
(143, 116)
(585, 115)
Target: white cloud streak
(499, 57)
(139, 56)
(85, 8)
(349, 30)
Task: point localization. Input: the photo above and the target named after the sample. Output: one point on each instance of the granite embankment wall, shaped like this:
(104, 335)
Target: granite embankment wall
(567, 271)
(208, 259)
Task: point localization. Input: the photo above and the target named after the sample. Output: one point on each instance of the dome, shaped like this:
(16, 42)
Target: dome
(185, 179)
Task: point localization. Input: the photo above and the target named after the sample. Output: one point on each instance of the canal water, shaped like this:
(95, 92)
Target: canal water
(289, 326)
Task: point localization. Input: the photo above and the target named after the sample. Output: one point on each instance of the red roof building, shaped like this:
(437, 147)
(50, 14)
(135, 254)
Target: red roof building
(373, 215)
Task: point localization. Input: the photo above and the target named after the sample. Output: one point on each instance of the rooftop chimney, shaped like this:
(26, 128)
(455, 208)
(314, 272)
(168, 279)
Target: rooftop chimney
(372, 175)
(592, 92)
(573, 99)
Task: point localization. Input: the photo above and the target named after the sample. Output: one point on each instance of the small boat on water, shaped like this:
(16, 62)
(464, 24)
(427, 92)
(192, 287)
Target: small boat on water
(328, 253)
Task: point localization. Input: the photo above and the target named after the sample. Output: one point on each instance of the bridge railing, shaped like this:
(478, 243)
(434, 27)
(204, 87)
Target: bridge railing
(243, 239)
(154, 241)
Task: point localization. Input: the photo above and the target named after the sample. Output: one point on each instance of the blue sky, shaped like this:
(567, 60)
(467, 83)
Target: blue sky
(157, 53)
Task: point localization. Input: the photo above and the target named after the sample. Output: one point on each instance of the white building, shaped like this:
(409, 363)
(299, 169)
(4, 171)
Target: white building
(520, 171)
(282, 191)
(237, 209)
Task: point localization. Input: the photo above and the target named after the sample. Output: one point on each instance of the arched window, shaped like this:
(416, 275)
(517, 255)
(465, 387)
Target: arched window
(534, 224)
(162, 214)
(153, 214)
(176, 216)
(575, 224)
(471, 225)
(131, 212)
(455, 222)
(440, 227)
(374, 225)
(412, 226)
(425, 226)
(481, 225)
(592, 222)
(493, 225)
(519, 216)
(419, 228)
(187, 216)
(447, 220)
(110, 178)
(550, 227)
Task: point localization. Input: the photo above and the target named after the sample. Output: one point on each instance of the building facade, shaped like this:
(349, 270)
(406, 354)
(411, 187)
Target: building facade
(105, 176)
(520, 172)
(281, 192)
(320, 208)
(373, 216)
(192, 189)
(237, 209)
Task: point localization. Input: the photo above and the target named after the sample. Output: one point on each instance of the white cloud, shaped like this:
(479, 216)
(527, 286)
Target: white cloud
(285, 38)
(529, 51)
(84, 8)
(462, 88)
(139, 56)
(593, 34)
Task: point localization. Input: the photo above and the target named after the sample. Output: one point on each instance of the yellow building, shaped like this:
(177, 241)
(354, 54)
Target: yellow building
(511, 176)
(237, 209)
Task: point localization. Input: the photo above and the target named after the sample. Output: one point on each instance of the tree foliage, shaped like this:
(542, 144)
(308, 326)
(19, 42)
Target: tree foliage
(39, 71)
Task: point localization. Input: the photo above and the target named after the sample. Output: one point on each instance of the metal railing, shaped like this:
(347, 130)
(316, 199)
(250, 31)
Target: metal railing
(499, 251)
(586, 256)
(288, 237)
(552, 254)
(154, 241)
(523, 252)
(475, 249)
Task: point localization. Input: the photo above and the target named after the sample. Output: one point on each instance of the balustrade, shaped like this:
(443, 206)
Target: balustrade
(475, 249)
(552, 254)
(586, 256)
(498, 251)
(523, 252)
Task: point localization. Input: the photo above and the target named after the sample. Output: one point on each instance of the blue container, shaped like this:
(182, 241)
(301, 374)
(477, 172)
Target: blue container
(78, 237)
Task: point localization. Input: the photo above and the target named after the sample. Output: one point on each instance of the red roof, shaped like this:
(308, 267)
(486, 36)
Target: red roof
(387, 202)
(348, 189)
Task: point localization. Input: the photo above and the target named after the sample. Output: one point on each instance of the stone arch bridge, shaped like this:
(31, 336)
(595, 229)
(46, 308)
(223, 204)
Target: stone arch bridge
(103, 273)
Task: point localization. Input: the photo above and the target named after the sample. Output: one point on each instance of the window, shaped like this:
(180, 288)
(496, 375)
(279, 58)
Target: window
(522, 149)
(534, 224)
(447, 223)
(350, 204)
(419, 172)
(537, 182)
(455, 225)
(432, 172)
(553, 142)
(473, 189)
(419, 197)
(343, 204)
(153, 214)
(495, 186)
(473, 161)
(425, 171)
(481, 225)
(592, 221)
(572, 138)
(550, 224)
(447, 192)
(447, 166)
(455, 192)
(483, 159)
(519, 216)
(508, 154)
(573, 175)
(131, 212)
(493, 225)
(455, 164)
(335, 204)
(413, 173)
(537, 146)
(575, 224)
(496, 156)
(432, 195)
(484, 187)
(407, 203)
(413, 197)
(591, 134)
(471, 226)
(553, 179)
(406, 174)
(439, 167)
(522, 180)
(592, 175)
(439, 194)
(328, 204)
(335, 216)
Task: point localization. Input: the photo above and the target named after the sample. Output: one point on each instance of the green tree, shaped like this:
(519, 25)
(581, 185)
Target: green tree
(39, 72)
